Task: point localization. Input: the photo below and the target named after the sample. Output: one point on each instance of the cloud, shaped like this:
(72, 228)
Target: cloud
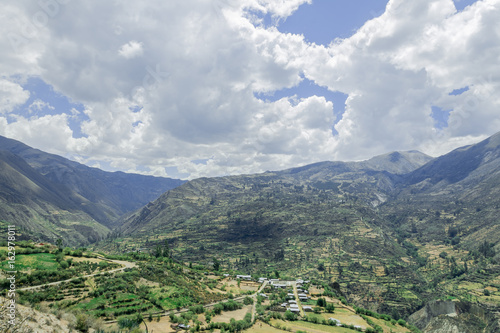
(131, 50)
(51, 132)
(39, 105)
(399, 65)
(166, 83)
(11, 96)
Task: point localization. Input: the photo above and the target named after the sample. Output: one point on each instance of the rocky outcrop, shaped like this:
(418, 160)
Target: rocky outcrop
(454, 317)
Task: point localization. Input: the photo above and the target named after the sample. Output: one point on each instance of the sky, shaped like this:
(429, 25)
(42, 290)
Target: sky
(205, 88)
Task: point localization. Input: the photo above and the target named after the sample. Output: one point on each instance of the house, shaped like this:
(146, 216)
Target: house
(299, 281)
(262, 279)
(290, 295)
(294, 308)
(226, 275)
(244, 277)
(292, 302)
(284, 305)
(307, 308)
(183, 327)
(263, 295)
(280, 285)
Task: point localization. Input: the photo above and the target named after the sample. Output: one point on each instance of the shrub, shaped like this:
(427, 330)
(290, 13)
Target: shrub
(321, 302)
(248, 300)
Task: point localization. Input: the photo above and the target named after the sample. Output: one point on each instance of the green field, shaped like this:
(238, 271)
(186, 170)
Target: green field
(38, 261)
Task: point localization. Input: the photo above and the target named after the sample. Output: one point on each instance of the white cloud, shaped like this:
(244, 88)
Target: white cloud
(50, 132)
(11, 96)
(39, 105)
(169, 82)
(131, 50)
(399, 65)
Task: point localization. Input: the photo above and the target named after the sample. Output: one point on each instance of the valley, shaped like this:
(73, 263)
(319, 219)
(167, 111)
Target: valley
(381, 241)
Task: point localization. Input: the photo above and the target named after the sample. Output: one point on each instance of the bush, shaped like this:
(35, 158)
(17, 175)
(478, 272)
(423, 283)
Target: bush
(248, 300)
(82, 323)
(197, 309)
(321, 302)
(290, 316)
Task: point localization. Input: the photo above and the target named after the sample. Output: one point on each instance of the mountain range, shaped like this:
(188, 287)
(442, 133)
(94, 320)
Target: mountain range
(390, 233)
(50, 197)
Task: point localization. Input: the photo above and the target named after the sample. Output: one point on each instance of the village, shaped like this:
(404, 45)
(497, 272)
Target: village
(274, 305)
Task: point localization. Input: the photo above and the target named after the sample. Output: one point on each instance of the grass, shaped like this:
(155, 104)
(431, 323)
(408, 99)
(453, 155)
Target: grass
(225, 317)
(346, 317)
(260, 327)
(38, 261)
(310, 327)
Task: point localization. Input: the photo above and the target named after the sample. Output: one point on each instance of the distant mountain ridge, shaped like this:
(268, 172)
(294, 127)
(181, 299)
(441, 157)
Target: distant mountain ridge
(112, 194)
(372, 173)
(99, 195)
(390, 211)
(41, 209)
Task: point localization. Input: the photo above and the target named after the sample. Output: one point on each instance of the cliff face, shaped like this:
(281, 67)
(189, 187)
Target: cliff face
(433, 309)
(454, 317)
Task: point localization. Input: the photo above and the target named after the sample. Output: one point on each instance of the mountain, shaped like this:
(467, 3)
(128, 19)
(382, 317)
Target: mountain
(459, 191)
(291, 220)
(391, 233)
(40, 208)
(108, 195)
(462, 169)
(367, 181)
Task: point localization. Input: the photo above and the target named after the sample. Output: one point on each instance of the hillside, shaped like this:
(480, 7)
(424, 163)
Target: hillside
(49, 197)
(108, 195)
(459, 191)
(40, 208)
(322, 215)
(394, 231)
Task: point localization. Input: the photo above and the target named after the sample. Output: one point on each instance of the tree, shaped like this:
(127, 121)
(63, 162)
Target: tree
(290, 316)
(166, 249)
(82, 323)
(216, 265)
(59, 243)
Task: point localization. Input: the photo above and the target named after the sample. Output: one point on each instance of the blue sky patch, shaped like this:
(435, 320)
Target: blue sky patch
(460, 91)
(440, 117)
(44, 100)
(325, 20)
(461, 4)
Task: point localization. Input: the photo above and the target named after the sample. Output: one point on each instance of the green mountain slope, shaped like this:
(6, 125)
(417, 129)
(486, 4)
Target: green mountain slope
(40, 208)
(322, 215)
(108, 194)
(391, 233)
(459, 190)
